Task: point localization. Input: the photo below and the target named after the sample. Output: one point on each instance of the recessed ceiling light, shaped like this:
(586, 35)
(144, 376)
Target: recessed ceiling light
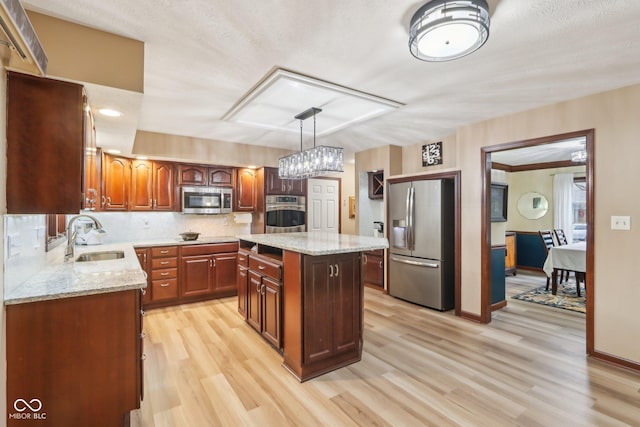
(282, 94)
(110, 112)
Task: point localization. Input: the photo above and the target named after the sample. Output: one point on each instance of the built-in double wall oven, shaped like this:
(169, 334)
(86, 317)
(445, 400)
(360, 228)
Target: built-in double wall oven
(285, 214)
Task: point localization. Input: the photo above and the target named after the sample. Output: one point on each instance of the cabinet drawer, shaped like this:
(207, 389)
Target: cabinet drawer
(243, 258)
(265, 267)
(161, 263)
(164, 289)
(164, 251)
(216, 248)
(167, 273)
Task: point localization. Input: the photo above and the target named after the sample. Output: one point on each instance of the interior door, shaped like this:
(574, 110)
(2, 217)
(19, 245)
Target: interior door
(323, 205)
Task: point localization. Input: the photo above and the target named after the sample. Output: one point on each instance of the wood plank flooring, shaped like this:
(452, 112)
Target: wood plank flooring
(206, 367)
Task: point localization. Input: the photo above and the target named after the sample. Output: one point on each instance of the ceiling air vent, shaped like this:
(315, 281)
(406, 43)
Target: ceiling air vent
(21, 38)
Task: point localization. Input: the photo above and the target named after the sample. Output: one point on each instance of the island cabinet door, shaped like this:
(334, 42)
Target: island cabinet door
(347, 294)
(318, 309)
(196, 275)
(332, 306)
(243, 287)
(271, 328)
(254, 309)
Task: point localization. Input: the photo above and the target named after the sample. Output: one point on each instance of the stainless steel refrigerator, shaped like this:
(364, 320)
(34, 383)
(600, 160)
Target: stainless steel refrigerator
(421, 236)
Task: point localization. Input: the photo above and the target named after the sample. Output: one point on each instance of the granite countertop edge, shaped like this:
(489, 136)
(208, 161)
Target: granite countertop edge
(318, 243)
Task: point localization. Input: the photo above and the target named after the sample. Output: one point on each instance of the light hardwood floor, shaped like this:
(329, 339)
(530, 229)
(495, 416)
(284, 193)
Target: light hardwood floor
(206, 367)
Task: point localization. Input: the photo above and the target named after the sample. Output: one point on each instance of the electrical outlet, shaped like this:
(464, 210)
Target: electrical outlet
(621, 223)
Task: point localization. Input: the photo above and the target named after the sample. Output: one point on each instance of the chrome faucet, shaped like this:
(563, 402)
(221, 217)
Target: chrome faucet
(71, 234)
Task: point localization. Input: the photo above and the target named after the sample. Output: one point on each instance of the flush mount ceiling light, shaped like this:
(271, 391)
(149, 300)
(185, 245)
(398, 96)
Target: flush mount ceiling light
(273, 102)
(443, 30)
(316, 161)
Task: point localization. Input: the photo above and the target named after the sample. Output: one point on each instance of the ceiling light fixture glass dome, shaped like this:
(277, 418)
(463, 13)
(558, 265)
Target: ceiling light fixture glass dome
(442, 30)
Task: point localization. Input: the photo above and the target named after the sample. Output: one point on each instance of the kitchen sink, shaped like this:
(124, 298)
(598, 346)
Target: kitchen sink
(100, 256)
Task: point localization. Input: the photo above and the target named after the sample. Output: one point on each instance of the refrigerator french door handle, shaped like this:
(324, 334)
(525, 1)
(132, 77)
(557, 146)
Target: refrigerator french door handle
(418, 263)
(411, 244)
(407, 219)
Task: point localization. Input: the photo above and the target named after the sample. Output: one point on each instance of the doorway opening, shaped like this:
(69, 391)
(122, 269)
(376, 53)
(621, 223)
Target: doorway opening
(587, 212)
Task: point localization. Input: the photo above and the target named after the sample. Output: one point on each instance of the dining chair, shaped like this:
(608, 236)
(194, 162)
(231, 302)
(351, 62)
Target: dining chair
(548, 243)
(561, 238)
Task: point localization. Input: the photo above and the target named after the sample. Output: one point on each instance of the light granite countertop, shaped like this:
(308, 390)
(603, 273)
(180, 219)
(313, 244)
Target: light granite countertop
(70, 279)
(318, 243)
(178, 241)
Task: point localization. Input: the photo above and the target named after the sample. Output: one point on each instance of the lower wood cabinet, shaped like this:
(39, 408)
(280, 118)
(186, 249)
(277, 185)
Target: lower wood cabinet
(188, 273)
(332, 318)
(243, 281)
(262, 298)
(373, 268)
(81, 357)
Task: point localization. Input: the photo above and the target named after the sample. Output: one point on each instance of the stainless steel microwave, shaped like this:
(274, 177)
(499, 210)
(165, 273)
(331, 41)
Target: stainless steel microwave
(206, 200)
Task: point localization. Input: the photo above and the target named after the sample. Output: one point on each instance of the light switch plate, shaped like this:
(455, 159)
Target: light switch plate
(620, 222)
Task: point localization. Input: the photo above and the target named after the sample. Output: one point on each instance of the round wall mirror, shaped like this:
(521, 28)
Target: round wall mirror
(533, 205)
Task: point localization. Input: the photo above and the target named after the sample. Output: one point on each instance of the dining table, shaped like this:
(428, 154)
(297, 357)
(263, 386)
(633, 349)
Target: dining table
(571, 257)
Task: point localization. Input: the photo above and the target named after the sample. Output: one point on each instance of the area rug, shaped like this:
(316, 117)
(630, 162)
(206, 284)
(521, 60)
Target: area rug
(566, 297)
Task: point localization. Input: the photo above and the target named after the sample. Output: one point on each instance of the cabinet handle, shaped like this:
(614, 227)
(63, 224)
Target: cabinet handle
(104, 201)
(143, 334)
(214, 262)
(164, 262)
(143, 291)
(262, 290)
(261, 267)
(258, 287)
(145, 275)
(164, 252)
(164, 285)
(143, 313)
(166, 273)
(337, 270)
(330, 270)
(108, 201)
(380, 264)
(242, 259)
(365, 258)
(210, 263)
(143, 357)
(144, 257)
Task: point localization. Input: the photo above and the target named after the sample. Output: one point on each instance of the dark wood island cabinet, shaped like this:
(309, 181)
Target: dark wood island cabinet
(317, 305)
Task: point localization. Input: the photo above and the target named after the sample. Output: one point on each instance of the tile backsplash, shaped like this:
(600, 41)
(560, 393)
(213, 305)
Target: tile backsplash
(25, 235)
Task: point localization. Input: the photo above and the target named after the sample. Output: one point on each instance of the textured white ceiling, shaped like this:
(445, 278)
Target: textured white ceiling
(201, 56)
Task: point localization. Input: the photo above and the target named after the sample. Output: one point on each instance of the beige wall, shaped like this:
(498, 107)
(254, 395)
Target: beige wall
(72, 53)
(188, 149)
(412, 157)
(347, 225)
(614, 115)
(540, 181)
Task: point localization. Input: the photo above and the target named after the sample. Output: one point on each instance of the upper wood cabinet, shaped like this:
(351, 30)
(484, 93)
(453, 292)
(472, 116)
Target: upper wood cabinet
(192, 174)
(245, 190)
(151, 186)
(274, 185)
(116, 176)
(45, 145)
(204, 175)
(222, 177)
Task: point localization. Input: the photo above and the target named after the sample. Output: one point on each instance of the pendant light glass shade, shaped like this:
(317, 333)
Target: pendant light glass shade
(316, 161)
(443, 30)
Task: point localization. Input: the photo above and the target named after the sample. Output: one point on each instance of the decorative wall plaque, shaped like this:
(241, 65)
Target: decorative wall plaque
(432, 154)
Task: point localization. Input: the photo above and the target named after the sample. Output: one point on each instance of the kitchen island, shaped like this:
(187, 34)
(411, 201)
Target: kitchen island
(303, 292)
